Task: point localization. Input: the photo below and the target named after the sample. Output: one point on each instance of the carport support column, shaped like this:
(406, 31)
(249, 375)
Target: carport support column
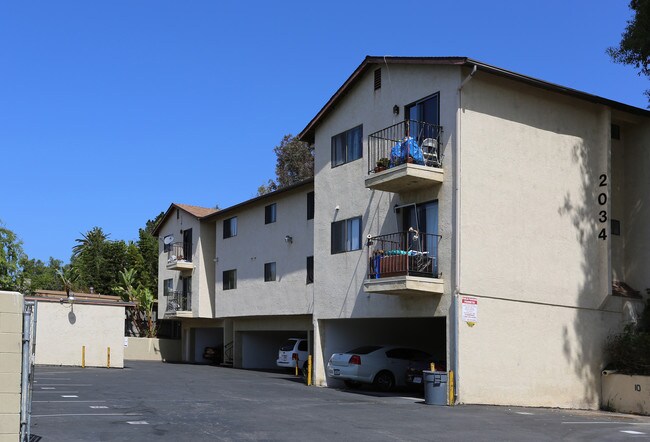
(318, 362)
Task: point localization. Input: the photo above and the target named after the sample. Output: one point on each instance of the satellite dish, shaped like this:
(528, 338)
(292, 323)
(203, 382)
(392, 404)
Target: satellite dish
(168, 239)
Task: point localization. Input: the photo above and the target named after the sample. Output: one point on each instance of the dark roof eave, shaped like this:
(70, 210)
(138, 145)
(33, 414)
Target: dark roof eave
(308, 133)
(257, 199)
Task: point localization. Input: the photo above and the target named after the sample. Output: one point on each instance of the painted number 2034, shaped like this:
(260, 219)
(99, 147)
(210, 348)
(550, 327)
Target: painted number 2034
(602, 202)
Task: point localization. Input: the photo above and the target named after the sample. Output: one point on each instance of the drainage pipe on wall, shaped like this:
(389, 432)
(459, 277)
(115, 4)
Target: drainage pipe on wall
(457, 170)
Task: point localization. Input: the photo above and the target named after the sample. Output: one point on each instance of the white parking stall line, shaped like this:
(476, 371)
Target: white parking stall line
(69, 395)
(47, 402)
(98, 406)
(137, 422)
(67, 385)
(631, 432)
(54, 392)
(86, 414)
(48, 388)
(525, 413)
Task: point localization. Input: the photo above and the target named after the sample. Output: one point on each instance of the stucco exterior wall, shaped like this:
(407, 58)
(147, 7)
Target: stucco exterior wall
(520, 353)
(11, 328)
(531, 163)
(152, 349)
(339, 277)
(62, 330)
(626, 394)
(258, 243)
(202, 273)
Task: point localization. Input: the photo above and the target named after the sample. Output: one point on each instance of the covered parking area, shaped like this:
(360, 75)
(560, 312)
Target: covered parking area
(256, 341)
(341, 335)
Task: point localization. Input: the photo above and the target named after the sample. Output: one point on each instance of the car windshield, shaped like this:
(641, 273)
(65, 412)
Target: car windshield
(288, 345)
(364, 350)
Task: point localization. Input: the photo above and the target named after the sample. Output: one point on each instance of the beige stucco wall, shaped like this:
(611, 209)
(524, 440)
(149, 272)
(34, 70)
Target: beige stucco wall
(626, 394)
(63, 329)
(339, 278)
(11, 327)
(152, 349)
(530, 253)
(258, 243)
(202, 273)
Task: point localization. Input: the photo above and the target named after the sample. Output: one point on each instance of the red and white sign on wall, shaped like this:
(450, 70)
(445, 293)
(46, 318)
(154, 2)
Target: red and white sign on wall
(469, 309)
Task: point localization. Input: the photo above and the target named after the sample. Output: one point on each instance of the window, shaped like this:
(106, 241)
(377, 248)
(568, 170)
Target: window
(347, 146)
(230, 227)
(168, 287)
(346, 235)
(269, 271)
(310, 205)
(310, 269)
(269, 213)
(230, 279)
(616, 227)
(167, 242)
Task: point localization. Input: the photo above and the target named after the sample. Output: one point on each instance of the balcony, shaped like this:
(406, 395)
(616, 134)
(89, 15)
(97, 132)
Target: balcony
(178, 303)
(403, 263)
(405, 156)
(179, 256)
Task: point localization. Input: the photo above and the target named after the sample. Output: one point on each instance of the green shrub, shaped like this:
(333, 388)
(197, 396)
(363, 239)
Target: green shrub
(629, 352)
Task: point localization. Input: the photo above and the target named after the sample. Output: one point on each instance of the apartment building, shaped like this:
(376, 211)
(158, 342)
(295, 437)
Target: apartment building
(495, 220)
(241, 279)
(481, 215)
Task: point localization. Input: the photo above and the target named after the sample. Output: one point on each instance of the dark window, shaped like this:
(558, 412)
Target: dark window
(269, 271)
(310, 269)
(347, 146)
(167, 243)
(310, 205)
(364, 350)
(230, 227)
(187, 245)
(168, 286)
(230, 279)
(303, 346)
(346, 235)
(269, 213)
(616, 132)
(377, 78)
(616, 227)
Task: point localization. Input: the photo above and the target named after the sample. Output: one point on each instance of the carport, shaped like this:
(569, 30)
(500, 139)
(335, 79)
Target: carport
(257, 340)
(341, 335)
(198, 339)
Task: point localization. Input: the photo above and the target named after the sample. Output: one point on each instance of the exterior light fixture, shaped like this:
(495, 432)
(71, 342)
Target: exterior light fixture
(396, 110)
(288, 239)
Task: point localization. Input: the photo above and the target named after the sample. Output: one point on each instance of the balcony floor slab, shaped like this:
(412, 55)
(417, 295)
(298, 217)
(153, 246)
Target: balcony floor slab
(404, 177)
(404, 285)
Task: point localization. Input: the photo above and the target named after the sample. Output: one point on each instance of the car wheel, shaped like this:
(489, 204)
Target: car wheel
(384, 381)
(352, 384)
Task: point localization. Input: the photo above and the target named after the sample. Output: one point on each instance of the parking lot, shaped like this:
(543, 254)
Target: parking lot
(151, 400)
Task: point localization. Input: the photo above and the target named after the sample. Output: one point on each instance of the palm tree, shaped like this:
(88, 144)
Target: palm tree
(68, 276)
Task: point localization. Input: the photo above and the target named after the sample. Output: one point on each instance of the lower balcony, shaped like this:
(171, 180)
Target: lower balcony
(179, 256)
(405, 156)
(403, 263)
(178, 304)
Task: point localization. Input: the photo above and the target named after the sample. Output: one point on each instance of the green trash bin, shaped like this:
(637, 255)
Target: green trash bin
(436, 391)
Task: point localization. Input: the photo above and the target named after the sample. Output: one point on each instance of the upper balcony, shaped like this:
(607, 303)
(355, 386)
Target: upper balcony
(405, 156)
(179, 256)
(403, 263)
(178, 303)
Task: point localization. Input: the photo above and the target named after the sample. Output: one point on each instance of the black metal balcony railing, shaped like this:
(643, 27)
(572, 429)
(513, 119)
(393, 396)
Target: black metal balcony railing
(403, 253)
(179, 301)
(408, 141)
(179, 251)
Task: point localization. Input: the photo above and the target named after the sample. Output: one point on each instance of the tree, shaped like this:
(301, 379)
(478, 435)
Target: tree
(68, 276)
(295, 163)
(142, 296)
(36, 275)
(634, 48)
(11, 255)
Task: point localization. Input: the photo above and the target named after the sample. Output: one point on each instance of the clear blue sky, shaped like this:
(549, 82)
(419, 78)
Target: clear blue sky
(105, 106)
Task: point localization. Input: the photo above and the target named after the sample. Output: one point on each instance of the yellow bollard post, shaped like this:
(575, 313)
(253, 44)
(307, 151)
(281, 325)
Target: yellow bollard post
(433, 366)
(296, 366)
(83, 356)
(309, 370)
(452, 398)
(108, 361)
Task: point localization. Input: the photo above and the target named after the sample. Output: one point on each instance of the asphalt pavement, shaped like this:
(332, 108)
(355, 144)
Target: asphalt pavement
(182, 402)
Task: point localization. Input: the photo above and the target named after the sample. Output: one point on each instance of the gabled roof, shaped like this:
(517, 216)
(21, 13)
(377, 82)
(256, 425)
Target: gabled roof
(307, 134)
(197, 211)
(266, 196)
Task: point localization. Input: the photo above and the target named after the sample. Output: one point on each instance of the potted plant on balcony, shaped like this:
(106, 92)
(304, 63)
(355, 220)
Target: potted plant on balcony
(382, 164)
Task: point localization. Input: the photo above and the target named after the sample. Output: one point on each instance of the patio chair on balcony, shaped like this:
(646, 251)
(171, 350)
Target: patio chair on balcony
(430, 152)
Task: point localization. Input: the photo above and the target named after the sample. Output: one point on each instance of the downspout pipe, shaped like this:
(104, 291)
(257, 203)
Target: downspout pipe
(457, 171)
